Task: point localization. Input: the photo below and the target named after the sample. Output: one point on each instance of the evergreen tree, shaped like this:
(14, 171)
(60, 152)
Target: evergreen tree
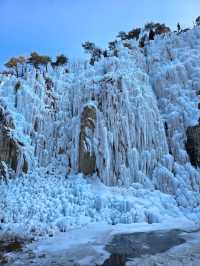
(61, 60)
(44, 60)
(34, 59)
(197, 21)
(122, 35)
(39, 60)
(94, 51)
(113, 48)
(15, 64)
(12, 64)
(134, 34)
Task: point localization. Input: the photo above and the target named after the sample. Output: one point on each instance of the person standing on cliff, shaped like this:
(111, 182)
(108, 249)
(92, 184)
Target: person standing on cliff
(178, 27)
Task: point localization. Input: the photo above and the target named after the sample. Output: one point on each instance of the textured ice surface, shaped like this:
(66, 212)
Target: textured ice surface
(145, 99)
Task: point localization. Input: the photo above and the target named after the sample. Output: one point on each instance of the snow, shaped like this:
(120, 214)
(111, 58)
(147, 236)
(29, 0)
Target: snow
(102, 233)
(86, 245)
(144, 173)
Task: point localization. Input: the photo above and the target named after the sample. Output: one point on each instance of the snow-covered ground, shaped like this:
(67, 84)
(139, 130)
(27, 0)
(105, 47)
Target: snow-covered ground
(86, 245)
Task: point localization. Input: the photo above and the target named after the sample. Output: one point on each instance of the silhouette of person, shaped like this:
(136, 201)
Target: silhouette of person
(178, 27)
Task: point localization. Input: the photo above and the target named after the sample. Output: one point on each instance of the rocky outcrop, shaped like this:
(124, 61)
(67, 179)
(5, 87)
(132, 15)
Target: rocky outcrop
(10, 149)
(87, 158)
(193, 145)
(3, 171)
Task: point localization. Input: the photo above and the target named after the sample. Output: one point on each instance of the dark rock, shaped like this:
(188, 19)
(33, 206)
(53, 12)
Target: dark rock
(193, 145)
(36, 125)
(49, 84)
(61, 151)
(87, 158)
(25, 165)
(3, 171)
(10, 148)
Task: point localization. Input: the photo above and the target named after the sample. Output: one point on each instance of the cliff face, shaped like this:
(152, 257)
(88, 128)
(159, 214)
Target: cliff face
(124, 119)
(11, 149)
(106, 124)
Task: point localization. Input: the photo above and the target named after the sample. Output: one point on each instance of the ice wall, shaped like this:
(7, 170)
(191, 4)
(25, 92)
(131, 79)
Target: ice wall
(173, 65)
(124, 120)
(129, 137)
(144, 101)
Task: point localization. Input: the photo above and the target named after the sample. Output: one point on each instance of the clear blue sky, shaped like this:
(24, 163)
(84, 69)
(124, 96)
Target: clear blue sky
(55, 26)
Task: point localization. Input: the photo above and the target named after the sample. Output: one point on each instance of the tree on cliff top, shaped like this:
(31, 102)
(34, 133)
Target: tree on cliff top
(61, 60)
(14, 64)
(94, 51)
(36, 60)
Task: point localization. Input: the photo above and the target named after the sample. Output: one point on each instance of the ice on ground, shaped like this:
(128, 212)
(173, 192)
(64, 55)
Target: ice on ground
(86, 245)
(40, 204)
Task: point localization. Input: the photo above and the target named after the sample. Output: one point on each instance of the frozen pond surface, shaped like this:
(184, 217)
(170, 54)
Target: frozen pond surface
(107, 248)
(135, 245)
(125, 246)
